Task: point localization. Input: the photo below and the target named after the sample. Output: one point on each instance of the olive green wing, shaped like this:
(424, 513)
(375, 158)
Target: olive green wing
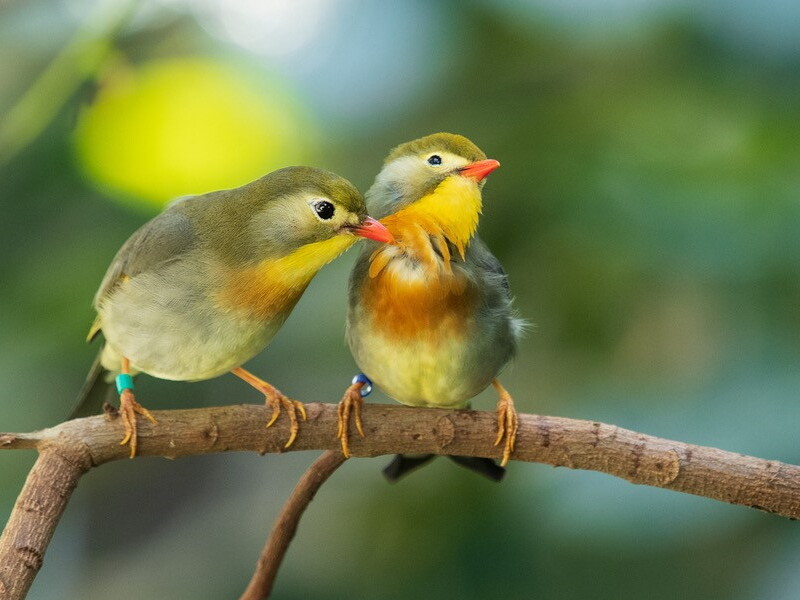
(162, 239)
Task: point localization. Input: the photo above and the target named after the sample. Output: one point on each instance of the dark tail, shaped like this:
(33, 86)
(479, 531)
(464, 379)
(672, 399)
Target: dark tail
(482, 466)
(402, 465)
(96, 391)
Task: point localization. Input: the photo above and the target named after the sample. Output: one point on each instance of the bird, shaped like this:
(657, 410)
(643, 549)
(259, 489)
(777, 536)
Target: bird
(204, 286)
(430, 318)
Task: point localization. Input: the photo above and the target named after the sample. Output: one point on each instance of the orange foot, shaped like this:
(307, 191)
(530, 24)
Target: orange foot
(507, 422)
(277, 400)
(351, 400)
(129, 408)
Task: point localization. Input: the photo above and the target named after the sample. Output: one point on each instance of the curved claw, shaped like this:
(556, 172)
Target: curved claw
(274, 398)
(507, 422)
(302, 408)
(278, 402)
(129, 408)
(351, 401)
(276, 410)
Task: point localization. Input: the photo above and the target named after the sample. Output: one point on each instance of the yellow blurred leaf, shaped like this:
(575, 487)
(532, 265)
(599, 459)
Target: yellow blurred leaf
(185, 126)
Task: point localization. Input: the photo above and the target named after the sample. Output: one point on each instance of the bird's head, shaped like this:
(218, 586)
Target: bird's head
(434, 182)
(301, 206)
(274, 234)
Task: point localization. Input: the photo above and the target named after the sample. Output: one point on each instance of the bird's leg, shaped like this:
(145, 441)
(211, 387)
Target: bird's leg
(274, 398)
(352, 400)
(507, 422)
(129, 407)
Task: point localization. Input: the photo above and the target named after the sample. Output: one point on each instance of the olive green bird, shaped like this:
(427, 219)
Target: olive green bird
(204, 286)
(430, 319)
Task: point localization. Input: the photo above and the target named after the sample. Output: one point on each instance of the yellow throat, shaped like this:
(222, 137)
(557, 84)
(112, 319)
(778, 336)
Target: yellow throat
(272, 286)
(449, 213)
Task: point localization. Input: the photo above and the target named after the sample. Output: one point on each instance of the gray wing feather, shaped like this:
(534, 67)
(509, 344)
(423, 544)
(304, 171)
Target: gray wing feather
(357, 276)
(163, 238)
(483, 258)
(499, 299)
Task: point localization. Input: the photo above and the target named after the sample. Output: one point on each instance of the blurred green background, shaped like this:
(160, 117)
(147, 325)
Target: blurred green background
(647, 211)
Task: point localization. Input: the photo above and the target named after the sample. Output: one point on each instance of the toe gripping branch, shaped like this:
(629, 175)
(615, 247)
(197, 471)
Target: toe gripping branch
(360, 388)
(129, 408)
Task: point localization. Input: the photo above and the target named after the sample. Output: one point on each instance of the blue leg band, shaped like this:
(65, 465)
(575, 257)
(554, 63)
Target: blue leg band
(124, 382)
(366, 389)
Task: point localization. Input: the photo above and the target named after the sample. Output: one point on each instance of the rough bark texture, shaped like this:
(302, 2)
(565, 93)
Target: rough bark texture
(35, 516)
(70, 448)
(643, 459)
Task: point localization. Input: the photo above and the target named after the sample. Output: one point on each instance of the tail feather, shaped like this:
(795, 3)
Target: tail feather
(404, 464)
(96, 391)
(482, 466)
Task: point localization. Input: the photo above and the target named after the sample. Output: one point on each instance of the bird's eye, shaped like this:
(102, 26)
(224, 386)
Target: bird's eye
(324, 209)
(434, 159)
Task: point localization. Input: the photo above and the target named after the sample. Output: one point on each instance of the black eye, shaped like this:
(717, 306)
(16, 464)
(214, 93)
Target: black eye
(324, 209)
(434, 159)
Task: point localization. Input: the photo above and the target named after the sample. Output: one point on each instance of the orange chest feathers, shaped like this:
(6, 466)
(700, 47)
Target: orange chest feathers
(435, 307)
(257, 296)
(270, 288)
(416, 290)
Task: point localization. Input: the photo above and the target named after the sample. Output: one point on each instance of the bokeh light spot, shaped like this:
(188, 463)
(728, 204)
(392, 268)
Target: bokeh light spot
(185, 126)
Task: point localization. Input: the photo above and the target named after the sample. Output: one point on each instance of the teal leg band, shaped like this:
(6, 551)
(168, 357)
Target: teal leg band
(124, 382)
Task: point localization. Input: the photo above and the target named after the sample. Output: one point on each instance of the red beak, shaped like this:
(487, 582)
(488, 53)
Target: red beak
(373, 230)
(480, 169)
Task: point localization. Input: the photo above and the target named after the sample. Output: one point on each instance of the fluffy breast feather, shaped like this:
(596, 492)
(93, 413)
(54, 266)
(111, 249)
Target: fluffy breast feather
(417, 288)
(409, 302)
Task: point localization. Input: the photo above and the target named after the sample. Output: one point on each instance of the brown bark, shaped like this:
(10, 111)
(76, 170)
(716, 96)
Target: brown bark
(70, 448)
(285, 527)
(35, 516)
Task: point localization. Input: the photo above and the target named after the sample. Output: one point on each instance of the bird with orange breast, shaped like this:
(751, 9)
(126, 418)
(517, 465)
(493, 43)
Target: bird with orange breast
(204, 286)
(430, 319)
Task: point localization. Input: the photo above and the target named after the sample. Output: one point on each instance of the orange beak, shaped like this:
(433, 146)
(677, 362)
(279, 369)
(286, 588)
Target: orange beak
(373, 230)
(480, 169)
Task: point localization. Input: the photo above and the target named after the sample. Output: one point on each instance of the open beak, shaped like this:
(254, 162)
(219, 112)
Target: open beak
(373, 230)
(480, 169)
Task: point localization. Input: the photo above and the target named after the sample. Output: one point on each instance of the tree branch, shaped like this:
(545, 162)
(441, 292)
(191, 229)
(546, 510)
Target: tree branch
(285, 527)
(70, 448)
(35, 516)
